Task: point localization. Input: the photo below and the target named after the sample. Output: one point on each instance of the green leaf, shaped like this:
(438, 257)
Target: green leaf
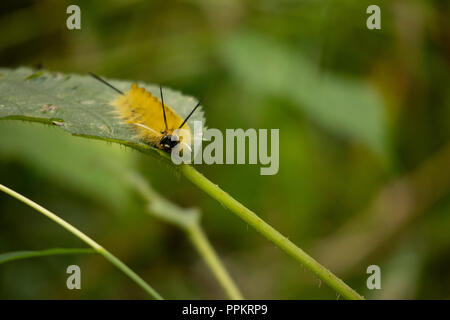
(346, 106)
(17, 255)
(77, 104)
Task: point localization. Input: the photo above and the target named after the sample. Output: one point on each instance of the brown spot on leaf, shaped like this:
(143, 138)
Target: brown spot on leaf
(48, 108)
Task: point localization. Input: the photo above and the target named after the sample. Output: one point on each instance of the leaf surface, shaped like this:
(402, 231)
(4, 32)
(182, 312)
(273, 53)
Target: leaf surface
(78, 104)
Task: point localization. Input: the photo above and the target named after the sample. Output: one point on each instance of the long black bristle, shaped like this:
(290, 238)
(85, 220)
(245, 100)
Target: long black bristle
(105, 82)
(190, 114)
(164, 109)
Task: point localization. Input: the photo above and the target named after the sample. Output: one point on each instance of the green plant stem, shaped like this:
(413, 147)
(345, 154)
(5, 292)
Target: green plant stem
(201, 243)
(99, 249)
(269, 232)
(17, 255)
(189, 221)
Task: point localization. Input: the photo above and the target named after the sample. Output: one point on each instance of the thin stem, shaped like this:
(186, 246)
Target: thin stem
(189, 221)
(269, 232)
(17, 255)
(105, 253)
(205, 249)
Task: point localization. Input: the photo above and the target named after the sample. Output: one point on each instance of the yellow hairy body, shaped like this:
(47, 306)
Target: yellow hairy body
(141, 109)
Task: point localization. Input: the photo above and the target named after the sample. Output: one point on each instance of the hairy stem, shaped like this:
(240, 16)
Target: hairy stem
(269, 232)
(99, 249)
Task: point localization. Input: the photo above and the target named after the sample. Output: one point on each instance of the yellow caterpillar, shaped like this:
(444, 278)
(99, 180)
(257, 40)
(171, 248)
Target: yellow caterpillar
(155, 123)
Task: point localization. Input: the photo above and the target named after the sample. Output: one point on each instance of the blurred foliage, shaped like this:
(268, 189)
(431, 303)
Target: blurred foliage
(357, 109)
(270, 68)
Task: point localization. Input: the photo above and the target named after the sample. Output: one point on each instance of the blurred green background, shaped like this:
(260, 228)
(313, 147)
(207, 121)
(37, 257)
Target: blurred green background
(364, 119)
